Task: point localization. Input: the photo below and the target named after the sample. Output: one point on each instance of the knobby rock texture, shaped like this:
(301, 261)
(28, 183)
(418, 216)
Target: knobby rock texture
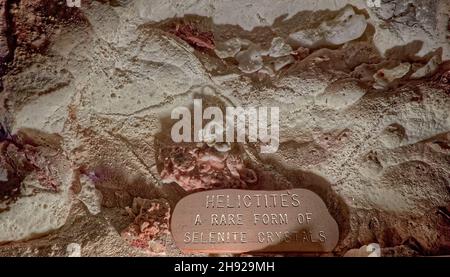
(87, 166)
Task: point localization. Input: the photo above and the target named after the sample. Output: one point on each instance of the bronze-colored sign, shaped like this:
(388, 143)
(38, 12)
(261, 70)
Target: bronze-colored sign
(236, 221)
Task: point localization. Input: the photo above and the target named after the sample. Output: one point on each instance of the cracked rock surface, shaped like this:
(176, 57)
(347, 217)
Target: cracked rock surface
(364, 98)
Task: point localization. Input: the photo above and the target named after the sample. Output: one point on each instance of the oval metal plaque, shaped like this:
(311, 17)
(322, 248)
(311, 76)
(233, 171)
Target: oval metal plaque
(236, 221)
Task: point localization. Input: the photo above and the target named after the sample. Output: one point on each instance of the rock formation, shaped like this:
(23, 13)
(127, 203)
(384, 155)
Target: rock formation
(86, 162)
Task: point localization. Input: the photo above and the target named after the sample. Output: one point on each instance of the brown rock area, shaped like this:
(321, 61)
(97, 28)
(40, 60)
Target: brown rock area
(4, 48)
(35, 21)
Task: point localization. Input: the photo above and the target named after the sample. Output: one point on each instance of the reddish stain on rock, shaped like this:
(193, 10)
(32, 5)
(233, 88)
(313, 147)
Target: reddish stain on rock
(191, 34)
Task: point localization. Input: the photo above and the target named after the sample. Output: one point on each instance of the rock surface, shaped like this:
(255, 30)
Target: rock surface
(364, 113)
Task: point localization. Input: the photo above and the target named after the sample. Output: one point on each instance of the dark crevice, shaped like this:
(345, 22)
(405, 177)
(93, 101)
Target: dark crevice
(9, 33)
